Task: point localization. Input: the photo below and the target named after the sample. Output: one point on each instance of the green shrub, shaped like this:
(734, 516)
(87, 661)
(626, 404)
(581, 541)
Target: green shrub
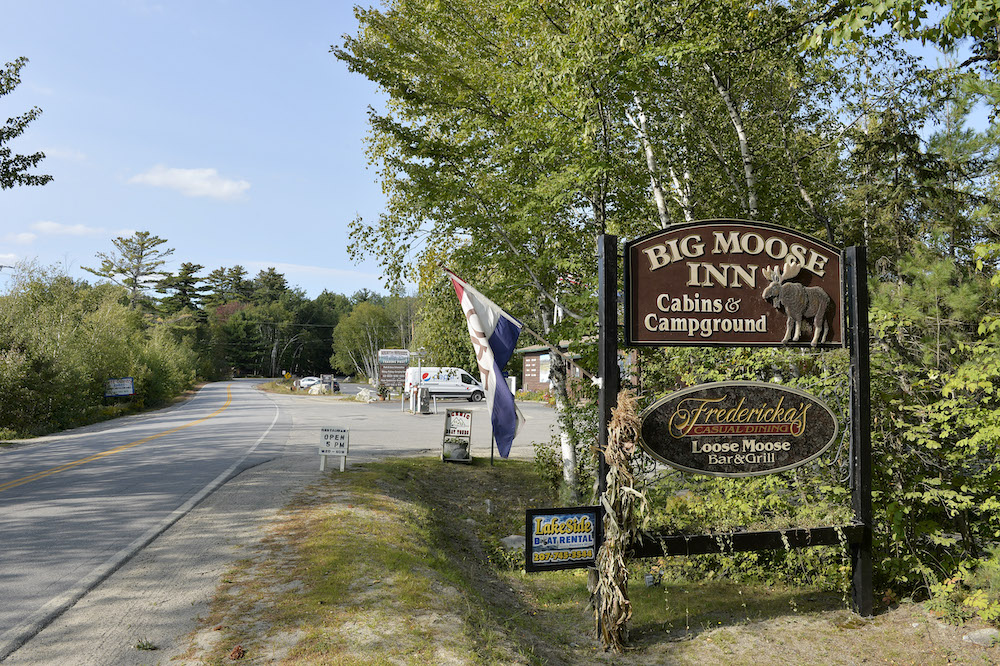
(973, 591)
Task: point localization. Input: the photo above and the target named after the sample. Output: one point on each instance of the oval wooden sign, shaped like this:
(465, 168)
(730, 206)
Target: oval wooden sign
(737, 428)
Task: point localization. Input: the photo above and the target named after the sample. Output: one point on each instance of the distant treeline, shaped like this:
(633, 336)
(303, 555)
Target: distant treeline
(62, 338)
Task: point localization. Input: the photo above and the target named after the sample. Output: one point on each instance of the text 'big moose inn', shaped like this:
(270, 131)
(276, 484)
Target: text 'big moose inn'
(694, 288)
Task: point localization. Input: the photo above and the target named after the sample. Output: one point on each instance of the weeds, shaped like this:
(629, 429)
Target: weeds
(973, 591)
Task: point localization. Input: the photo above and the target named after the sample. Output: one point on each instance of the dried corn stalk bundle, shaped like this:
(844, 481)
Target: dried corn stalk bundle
(624, 507)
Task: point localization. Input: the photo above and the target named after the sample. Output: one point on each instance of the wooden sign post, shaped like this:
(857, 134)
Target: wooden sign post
(740, 283)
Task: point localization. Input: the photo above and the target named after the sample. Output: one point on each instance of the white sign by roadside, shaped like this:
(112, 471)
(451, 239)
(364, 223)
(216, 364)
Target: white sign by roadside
(123, 386)
(333, 442)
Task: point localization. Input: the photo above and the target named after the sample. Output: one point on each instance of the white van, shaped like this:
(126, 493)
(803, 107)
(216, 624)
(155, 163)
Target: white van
(445, 382)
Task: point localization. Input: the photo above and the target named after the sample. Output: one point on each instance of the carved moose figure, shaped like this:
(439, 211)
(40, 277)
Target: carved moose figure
(798, 302)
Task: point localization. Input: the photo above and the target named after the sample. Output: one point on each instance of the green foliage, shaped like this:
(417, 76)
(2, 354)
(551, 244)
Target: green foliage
(548, 463)
(61, 340)
(14, 169)
(935, 412)
(360, 335)
(441, 329)
(184, 290)
(973, 591)
(974, 20)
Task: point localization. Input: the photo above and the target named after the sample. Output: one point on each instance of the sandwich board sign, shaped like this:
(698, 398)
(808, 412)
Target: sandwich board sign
(334, 442)
(457, 438)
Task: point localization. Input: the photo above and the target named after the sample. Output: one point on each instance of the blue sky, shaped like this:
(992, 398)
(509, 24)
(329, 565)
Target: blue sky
(226, 127)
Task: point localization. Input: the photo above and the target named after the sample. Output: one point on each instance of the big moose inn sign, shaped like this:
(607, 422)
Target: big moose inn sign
(729, 282)
(732, 283)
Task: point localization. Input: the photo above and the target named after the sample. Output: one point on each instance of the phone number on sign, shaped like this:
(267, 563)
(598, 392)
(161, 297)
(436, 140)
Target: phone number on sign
(563, 555)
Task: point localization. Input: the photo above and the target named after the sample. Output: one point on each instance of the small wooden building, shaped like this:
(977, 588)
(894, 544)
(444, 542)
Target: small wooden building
(535, 367)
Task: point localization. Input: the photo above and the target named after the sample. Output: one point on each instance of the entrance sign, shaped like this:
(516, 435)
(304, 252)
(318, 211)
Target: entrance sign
(334, 442)
(114, 388)
(732, 283)
(737, 429)
(457, 437)
(392, 364)
(562, 538)
(741, 283)
(394, 356)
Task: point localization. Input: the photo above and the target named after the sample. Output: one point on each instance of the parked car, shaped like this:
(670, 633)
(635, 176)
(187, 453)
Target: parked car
(307, 382)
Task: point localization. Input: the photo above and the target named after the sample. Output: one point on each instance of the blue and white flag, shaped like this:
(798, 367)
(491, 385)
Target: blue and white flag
(494, 335)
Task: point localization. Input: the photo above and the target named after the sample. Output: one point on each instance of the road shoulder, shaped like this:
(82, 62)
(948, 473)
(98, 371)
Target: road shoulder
(155, 600)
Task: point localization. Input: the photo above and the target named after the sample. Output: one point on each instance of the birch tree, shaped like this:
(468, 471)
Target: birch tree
(359, 336)
(519, 131)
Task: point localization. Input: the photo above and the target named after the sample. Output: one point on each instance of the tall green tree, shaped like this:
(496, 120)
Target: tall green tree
(316, 320)
(359, 336)
(16, 169)
(228, 285)
(184, 290)
(269, 286)
(519, 131)
(136, 265)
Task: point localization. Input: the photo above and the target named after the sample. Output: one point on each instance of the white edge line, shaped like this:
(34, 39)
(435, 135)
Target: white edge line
(14, 638)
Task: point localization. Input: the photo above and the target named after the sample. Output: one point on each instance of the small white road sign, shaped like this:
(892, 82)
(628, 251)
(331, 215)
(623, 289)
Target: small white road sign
(334, 442)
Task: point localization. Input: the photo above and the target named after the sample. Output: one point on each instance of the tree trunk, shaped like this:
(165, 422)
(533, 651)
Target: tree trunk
(567, 430)
(741, 134)
(682, 193)
(639, 123)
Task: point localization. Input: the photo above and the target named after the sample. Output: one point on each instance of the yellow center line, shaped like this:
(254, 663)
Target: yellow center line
(103, 454)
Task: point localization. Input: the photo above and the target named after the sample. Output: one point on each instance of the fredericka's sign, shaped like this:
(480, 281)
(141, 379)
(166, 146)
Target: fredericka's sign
(737, 428)
(731, 282)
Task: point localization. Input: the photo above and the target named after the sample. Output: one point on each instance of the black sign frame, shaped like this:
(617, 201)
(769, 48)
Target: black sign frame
(858, 535)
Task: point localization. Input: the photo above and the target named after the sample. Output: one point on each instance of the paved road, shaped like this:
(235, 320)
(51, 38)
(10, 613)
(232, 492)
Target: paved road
(75, 507)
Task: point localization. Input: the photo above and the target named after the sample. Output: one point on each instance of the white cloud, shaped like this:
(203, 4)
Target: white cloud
(56, 229)
(23, 238)
(8, 259)
(193, 182)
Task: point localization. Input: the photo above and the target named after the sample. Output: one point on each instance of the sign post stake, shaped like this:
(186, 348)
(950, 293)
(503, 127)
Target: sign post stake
(861, 445)
(607, 353)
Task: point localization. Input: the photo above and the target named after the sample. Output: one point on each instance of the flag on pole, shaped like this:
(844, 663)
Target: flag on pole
(494, 335)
